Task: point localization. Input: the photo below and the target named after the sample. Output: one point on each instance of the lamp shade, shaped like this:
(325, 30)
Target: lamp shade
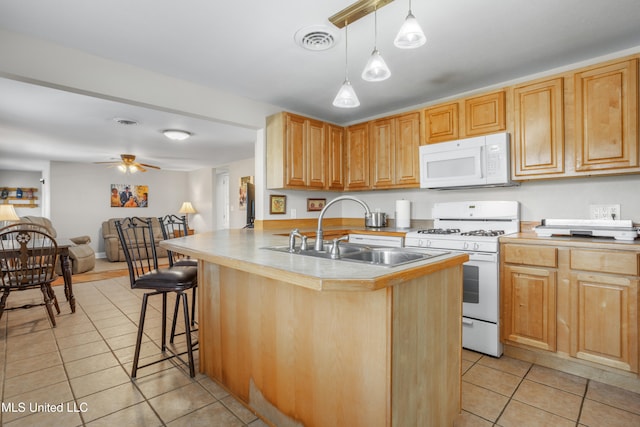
(410, 35)
(187, 208)
(8, 213)
(376, 69)
(346, 97)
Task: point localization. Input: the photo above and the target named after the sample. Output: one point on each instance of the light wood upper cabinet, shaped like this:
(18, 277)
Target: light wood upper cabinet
(357, 157)
(394, 144)
(296, 152)
(407, 150)
(485, 114)
(316, 154)
(383, 153)
(335, 156)
(538, 142)
(295, 145)
(606, 103)
(441, 123)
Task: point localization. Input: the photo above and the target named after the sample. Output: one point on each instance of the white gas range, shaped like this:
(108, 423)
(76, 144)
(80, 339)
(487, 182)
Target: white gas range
(474, 228)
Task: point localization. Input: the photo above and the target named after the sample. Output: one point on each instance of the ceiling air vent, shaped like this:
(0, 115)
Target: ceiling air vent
(316, 37)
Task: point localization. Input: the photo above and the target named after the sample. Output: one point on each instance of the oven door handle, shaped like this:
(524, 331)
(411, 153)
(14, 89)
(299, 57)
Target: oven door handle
(467, 321)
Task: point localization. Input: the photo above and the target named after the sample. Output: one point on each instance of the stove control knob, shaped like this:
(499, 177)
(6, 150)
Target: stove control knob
(428, 243)
(476, 246)
(465, 245)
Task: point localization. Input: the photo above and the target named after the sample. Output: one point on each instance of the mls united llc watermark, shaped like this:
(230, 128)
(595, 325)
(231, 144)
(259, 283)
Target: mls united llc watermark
(33, 407)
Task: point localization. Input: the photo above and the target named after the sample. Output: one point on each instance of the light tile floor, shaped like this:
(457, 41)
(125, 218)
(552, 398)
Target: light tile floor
(511, 393)
(81, 370)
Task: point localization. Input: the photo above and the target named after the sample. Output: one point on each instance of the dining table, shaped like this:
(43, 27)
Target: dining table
(65, 267)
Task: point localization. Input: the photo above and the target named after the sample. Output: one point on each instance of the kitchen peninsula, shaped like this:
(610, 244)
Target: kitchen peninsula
(319, 342)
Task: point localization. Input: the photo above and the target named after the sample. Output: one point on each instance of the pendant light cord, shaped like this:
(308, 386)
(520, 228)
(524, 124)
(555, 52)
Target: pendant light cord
(346, 51)
(375, 28)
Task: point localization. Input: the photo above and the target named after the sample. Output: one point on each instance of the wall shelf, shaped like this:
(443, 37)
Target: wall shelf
(28, 199)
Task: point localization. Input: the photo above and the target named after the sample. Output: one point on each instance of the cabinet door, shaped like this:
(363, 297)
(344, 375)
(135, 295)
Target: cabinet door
(407, 168)
(607, 117)
(604, 324)
(335, 155)
(529, 306)
(357, 157)
(441, 123)
(485, 114)
(539, 129)
(316, 152)
(382, 146)
(296, 151)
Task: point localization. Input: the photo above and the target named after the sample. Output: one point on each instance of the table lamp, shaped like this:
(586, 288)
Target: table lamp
(187, 209)
(7, 215)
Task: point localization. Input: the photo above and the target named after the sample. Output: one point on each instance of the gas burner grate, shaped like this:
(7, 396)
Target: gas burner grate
(440, 231)
(487, 233)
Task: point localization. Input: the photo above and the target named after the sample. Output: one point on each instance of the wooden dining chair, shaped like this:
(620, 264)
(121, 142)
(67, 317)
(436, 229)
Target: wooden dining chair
(28, 256)
(136, 237)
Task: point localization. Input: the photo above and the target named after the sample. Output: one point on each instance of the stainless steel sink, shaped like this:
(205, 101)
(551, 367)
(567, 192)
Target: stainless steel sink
(386, 256)
(382, 256)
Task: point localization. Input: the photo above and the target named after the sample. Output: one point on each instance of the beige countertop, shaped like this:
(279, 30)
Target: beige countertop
(243, 250)
(568, 241)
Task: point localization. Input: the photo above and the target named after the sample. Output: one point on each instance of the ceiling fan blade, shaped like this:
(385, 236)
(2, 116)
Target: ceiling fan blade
(149, 166)
(140, 168)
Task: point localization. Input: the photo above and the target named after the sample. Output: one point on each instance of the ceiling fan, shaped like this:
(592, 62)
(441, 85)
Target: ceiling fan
(129, 164)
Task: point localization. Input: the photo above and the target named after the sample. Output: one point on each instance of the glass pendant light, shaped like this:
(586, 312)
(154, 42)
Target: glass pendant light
(410, 35)
(346, 97)
(376, 69)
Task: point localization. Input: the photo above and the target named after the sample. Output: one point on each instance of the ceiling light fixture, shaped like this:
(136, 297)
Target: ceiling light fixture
(410, 35)
(176, 135)
(346, 97)
(376, 69)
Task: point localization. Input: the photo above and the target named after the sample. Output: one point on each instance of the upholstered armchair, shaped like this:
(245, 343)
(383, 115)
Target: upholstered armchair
(113, 247)
(83, 257)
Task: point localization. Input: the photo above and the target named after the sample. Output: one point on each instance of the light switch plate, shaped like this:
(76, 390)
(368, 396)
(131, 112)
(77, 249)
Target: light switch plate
(604, 211)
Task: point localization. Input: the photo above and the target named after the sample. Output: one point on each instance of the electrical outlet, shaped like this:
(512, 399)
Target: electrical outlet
(604, 211)
(293, 213)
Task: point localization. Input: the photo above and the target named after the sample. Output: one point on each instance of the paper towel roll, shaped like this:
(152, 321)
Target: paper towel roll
(403, 214)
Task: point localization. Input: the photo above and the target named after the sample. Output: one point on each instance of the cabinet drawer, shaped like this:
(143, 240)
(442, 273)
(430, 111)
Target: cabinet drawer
(544, 256)
(605, 261)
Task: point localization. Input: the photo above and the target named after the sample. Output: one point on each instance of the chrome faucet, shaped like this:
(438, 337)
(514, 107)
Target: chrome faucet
(334, 252)
(319, 245)
(292, 240)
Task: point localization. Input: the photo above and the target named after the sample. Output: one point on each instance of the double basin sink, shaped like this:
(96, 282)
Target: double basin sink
(382, 256)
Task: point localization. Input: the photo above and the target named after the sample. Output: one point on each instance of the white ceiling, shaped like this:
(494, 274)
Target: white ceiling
(248, 48)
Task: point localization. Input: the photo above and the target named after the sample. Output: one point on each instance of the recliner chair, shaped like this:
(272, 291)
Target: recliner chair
(83, 257)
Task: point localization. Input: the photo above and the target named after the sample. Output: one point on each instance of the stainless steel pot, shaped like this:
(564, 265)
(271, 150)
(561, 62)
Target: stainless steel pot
(376, 220)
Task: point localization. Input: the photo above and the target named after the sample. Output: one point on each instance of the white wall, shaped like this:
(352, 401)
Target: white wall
(80, 197)
(201, 194)
(560, 198)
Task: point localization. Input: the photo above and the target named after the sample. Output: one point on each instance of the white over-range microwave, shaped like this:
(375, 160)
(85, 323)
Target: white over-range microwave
(482, 161)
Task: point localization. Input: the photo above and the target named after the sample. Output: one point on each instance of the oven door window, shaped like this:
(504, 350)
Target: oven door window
(471, 284)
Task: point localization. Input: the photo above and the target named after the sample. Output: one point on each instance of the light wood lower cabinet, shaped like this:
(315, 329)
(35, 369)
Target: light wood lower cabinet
(605, 320)
(530, 306)
(581, 301)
